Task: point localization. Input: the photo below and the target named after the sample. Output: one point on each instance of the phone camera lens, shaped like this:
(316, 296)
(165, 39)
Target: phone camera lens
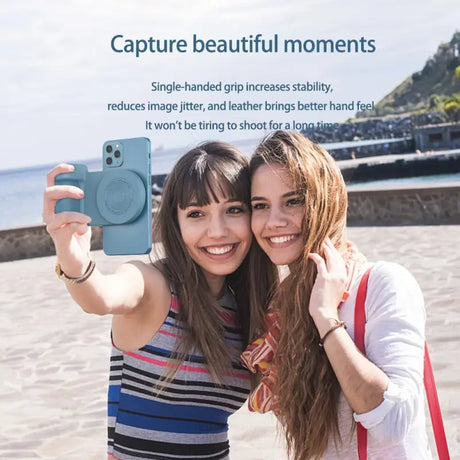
(117, 154)
(108, 161)
(108, 149)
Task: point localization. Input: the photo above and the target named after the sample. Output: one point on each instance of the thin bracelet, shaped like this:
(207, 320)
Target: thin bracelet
(62, 276)
(332, 329)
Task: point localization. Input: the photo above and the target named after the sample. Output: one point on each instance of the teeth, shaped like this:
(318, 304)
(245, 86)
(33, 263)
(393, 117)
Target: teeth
(220, 249)
(281, 239)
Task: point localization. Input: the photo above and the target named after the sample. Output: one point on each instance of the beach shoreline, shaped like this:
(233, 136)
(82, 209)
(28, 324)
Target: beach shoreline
(56, 358)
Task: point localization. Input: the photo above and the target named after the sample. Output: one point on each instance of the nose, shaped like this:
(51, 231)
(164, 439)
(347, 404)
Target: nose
(276, 218)
(217, 227)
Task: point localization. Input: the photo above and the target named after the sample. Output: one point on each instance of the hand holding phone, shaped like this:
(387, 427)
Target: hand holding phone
(70, 231)
(118, 198)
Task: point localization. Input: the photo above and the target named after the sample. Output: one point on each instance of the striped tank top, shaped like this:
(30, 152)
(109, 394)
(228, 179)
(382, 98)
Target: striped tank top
(188, 418)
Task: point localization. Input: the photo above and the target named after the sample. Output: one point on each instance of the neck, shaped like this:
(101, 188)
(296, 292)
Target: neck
(216, 284)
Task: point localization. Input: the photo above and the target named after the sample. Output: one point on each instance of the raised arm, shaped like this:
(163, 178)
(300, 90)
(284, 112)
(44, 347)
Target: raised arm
(384, 387)
(362, 382)
(118, 293)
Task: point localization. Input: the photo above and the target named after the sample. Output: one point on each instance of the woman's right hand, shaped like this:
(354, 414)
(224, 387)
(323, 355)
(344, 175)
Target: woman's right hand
(329, 286)
(69, 230)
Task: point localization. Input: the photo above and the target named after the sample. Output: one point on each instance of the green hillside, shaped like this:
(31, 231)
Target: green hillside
(434, 88)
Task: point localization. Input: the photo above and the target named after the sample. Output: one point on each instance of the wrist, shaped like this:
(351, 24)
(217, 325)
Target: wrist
(73, 270)
(324, 322)
(75, 267)
(76, 272)
(337, 324)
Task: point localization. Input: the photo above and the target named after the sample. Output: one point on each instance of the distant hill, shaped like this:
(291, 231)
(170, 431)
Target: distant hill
(434, 88)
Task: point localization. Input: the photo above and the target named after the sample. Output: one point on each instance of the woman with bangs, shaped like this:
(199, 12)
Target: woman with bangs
(311, 373)
(179, 324)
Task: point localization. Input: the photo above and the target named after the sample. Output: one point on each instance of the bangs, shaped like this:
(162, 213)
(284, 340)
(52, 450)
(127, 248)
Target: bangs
(208, 179)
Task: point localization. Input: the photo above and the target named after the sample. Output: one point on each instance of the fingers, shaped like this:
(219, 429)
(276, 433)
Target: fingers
(71, 229)
(54, 193)
(78, 220)
(332, 260)
(67, 224)
(335, 264)
(330, 253)
(59, 169)
(319, 261)
(79, 229)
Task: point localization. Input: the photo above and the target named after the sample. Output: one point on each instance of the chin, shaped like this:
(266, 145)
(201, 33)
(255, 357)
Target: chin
(284, 256)
(282, 259)
(223, 270)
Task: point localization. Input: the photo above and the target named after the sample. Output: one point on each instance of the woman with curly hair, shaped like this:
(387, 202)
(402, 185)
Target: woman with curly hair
(311, 373)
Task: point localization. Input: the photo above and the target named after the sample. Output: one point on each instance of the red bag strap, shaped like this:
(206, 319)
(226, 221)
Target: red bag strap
(360, 312)
(435, 408)
(360, 324)
(428, 379)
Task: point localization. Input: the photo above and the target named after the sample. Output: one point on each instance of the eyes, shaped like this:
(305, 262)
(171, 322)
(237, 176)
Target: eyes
(231, 210)
(288, 203)
(196, 212)
(295, 201)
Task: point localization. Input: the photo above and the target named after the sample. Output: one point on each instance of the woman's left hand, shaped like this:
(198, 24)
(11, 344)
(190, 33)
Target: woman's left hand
(329, 285)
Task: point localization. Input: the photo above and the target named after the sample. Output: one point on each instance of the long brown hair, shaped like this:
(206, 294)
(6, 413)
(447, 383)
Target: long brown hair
(194, 179)
(306, 388)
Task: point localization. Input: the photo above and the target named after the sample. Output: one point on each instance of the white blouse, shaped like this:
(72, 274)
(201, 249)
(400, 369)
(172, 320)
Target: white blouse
(394, 341)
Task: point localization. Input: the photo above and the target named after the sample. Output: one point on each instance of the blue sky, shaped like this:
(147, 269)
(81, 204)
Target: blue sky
(58, 72)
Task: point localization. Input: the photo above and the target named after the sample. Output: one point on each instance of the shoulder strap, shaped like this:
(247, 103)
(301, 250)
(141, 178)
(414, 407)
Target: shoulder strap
(435, 408)
(360, 312)
(360, 325)
(428, 379)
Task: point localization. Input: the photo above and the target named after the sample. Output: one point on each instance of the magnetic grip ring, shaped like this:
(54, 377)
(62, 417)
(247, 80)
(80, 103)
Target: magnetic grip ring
(120, 196)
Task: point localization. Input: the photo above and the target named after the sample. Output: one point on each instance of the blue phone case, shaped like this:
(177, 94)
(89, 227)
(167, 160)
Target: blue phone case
(119, 198)
(134, 237)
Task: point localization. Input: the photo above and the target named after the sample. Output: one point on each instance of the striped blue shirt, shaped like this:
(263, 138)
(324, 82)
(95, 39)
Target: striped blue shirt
(188, 418)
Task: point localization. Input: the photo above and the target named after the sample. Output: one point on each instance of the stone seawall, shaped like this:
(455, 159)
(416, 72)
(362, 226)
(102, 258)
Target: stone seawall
(408, 165)
(415, 205)
(28, 242)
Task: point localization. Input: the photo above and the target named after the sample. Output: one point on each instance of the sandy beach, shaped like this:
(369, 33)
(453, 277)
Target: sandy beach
(54, 364)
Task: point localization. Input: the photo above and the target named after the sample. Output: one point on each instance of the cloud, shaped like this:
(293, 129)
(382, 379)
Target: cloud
(58, 72)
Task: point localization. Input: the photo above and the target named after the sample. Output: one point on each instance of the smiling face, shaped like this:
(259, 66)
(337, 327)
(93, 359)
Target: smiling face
(277, 213)
(217, 236)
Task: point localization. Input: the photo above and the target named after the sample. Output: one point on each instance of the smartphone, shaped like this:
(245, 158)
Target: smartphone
(118, 198)
(131, 155)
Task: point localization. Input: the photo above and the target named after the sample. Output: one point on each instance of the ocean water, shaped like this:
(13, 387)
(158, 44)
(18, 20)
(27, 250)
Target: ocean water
(408, 181)
(21, 190)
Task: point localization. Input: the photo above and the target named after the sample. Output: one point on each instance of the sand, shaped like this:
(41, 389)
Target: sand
(54, 362)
